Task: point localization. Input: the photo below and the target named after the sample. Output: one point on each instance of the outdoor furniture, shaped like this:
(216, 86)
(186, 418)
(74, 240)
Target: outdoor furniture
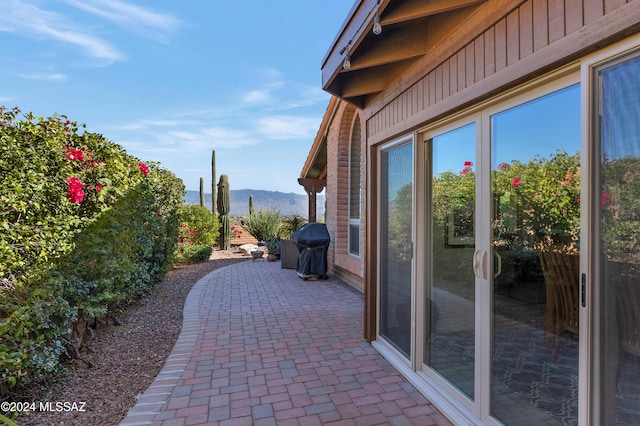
(561, 271)
(288, 254)
(627, 306)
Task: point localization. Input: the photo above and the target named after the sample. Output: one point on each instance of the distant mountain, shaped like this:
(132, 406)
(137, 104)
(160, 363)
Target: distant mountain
(286, 203)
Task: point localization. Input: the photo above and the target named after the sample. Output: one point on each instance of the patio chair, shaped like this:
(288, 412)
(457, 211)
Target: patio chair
(627, 306)
(561, 271)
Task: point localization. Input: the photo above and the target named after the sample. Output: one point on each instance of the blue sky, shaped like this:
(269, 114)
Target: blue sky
(171, 80)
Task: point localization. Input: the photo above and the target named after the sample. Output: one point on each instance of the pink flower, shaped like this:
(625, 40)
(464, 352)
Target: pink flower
(503, 166)
(74, 154)
(467, 167)
(98, 188)
(515, 181)
(75, 194)
(143, 168)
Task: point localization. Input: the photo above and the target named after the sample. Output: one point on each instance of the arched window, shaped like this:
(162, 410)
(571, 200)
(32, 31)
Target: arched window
(354, 188)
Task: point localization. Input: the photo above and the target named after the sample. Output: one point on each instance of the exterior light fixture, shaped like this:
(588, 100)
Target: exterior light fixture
(377, 26)
(346, 64)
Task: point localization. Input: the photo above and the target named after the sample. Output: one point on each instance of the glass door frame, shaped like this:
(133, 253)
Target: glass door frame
(590, 404)
(423, 232)
(481, 115)
(406, 366)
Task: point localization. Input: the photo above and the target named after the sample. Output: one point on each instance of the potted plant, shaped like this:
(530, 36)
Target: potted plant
(273, 248)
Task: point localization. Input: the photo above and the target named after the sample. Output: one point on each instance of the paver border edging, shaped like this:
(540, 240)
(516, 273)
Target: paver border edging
(148, 404)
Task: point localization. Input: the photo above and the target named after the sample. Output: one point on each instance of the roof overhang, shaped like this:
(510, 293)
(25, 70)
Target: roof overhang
(315, 166)
(410, 30)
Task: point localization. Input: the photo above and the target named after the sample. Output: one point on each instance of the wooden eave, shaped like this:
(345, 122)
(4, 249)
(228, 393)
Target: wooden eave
(315, 166)
(410, 30)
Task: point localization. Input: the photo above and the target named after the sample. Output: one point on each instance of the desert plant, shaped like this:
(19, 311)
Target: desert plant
(251, 210)
(224, 207)
(214, 208)
(263, 224)
(273, 245)
(291, 224)
(202, 192)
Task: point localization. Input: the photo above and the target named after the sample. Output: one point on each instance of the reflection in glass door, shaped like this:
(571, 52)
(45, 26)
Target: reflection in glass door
(617, 204)
(396, 247)
(535, 218)
(450, 302)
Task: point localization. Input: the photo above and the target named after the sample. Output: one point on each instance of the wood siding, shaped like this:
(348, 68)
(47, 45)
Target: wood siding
(498, 47)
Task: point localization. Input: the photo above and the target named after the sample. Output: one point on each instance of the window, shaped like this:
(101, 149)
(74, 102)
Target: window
(354, 188)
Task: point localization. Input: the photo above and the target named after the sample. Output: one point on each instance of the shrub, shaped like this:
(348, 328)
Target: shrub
(86, 228)
(192, 254)
(263, 225)
(199, 229)
(291, 224)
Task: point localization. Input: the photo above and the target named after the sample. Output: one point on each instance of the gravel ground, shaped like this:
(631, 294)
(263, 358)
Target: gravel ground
(126, 358)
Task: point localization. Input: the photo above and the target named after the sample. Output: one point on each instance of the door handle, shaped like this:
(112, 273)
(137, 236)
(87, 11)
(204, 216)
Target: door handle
(499, 263)
(477, 265)
(485, 265)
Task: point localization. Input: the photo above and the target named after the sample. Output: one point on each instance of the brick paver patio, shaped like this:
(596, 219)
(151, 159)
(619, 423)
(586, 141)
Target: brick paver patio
(260, 346)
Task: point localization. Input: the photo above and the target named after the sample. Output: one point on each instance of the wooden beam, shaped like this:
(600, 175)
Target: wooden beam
(416, 9)
(372, 80)
(395, 46)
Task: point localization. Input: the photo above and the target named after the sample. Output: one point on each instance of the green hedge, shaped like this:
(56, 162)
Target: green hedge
(86, 228)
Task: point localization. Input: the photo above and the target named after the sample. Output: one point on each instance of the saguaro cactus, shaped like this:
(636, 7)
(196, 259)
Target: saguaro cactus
(202, 192)
(213, 181)
(250, 204)
(224, 208)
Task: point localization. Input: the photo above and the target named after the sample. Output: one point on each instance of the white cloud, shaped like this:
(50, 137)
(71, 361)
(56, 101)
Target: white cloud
(26, 19)
(132, 17)
(258, 96)
(170, 137)
(147, 124)
(50, 77)
(288, 127)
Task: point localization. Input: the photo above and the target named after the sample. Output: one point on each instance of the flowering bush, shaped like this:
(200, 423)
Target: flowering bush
(198, 231)
(84, 231)
(236, 231)
(536, 203)
(620, 209)
(539, 201)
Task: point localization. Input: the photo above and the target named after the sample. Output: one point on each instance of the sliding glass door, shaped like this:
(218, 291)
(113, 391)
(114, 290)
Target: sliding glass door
(396, 245)
(502, 248)
(450, 284)
(535, 247)
(616, 209)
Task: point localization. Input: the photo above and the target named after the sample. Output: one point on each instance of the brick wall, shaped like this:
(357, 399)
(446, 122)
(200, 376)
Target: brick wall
(348, 267)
